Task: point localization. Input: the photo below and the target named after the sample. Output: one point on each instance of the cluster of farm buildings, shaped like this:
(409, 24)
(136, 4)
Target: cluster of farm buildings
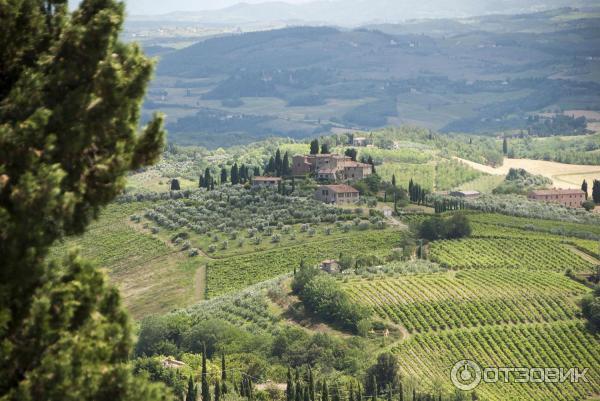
(330, 167)
(336, 168)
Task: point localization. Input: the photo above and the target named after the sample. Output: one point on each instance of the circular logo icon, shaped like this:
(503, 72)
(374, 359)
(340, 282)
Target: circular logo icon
(466, 375)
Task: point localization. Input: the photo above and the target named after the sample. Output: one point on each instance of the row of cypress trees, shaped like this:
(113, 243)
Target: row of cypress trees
(305, 388)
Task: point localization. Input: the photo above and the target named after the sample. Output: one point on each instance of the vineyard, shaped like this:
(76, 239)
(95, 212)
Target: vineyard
(237, 272)
(557, 344)
(527, 253)
(441, 301)
(538, 225)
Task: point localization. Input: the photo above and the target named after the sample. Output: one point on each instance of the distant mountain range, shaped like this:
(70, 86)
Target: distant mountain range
(349, 12)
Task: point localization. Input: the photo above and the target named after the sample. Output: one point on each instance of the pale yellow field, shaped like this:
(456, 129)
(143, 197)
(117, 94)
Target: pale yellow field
(562, 175)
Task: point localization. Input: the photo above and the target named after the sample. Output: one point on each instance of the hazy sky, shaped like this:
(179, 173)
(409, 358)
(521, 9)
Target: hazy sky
(149, 7)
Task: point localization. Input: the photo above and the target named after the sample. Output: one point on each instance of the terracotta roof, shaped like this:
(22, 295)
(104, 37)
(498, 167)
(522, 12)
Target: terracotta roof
(557, 192)
(340, 188)
(262, 178)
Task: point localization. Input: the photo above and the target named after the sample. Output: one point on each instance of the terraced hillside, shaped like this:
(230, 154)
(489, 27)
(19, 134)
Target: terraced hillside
(430, 302)
(504, 302)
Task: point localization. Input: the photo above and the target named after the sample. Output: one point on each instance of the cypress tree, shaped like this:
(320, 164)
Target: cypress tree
(325, 392)
(256, 171)
(175, 185)
(243, 174)
(70, 93)
(374, 388)
(223, 175)
(278, 163)
(217, 391)
(286, 170)
(505, 146)
(235, 178)
(289, 389)
(596, 192)
(311, 385)
(191, 390)
(336, 393)
(224, 389)
(306, 394)
(314, 147)
(325, 148)
(205, 387)
(207, 178)
(394, 180)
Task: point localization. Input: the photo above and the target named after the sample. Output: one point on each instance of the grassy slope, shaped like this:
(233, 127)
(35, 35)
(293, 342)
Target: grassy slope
(152, 276)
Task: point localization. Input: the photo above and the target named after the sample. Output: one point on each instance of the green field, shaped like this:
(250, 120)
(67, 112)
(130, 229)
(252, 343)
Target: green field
(527, 253)
(237, 272)
(430, 302)
(557, 344)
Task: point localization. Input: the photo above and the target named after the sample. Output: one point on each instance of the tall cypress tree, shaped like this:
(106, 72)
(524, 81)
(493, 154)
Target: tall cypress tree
(311, 384)
(285, 166)
(217, 391)
(191, 390)
(223, 175)
(324, 392)
(207, 178)
(204, 384)
(314, 147)
(235, 178)
(373, 388)
(596, 192)
(278, 163)
(224, 389)
(70, 94)
(243, 174)
(289, 389)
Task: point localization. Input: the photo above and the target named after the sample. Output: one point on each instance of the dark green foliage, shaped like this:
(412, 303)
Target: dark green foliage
(224, 175)
(584, 188)
(519, 181)
(235, 177)
(205, 389)
(314, 147)
(224, 388)
(286, 169)
(596, 192)
(590, 307)
(70, 93)
(385, 374)
(436, 228)
(289, 389)
(323, 295)
(324, 392)
(175, 185)
(191, 390)
(325, 148)
(351, 152)
(505, 146)
(217, 392)
(416, 193)
(589, 205)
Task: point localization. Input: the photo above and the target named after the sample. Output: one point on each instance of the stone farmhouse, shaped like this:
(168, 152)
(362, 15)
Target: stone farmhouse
(566, 197)
(330, 167)
(337, 194)
(265, 182)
